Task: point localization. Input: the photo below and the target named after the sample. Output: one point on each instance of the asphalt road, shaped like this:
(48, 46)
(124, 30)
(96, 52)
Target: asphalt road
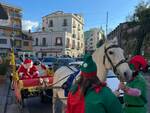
(34, 105)
(31, 105)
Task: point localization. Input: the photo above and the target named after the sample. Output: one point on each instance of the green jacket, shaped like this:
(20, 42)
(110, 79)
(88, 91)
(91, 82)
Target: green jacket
(102, 102)
(140, 83)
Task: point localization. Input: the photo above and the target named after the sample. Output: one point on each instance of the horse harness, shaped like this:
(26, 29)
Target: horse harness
(110, 61)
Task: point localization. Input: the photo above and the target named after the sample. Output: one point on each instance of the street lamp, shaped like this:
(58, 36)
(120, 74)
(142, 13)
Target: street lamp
(12, 41)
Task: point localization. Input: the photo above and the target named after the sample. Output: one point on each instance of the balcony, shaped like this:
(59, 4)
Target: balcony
(16, 26)
(16, 15)
(11, 27)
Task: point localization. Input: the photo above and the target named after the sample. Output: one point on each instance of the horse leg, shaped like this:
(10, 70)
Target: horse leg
(59, 101)
(55, 96)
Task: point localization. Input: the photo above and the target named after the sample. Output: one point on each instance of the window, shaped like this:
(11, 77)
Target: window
(65, 22)
(44, 42)
(73, 44)
(3, 41)
(58, 41)
(68, 43)
(26, 43)
(74, 35)
(81, 45)
(78, 27)
(78, 46)
(78, 36)
(36, 41)
(74, 24)
(50, 23)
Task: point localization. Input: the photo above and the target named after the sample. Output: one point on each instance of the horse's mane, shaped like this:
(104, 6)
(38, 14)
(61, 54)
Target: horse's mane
(98, 58)
(98, 55)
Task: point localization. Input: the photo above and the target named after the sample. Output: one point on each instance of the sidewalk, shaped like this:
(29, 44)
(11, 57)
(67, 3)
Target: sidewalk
(3, 94)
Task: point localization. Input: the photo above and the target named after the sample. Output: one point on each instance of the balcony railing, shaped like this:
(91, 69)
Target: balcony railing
(16, 15)
(17, 26)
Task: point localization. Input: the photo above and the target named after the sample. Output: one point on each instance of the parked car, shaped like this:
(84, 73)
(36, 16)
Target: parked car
(63, 62)
(49, 61)
(35, 60)
(79, 59)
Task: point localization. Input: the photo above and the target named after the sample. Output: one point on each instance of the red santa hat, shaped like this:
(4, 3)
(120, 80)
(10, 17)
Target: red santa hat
(27, 61)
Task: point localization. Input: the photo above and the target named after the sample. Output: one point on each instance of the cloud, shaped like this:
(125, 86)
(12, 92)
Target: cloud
(28, 24)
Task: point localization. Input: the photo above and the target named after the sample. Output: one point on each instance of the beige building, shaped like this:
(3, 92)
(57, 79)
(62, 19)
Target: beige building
(12, 29)
(92, 37)
(55, 44)
(66, 28)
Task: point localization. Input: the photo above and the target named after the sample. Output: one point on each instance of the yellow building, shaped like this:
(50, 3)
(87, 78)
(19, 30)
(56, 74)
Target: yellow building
(10, 28)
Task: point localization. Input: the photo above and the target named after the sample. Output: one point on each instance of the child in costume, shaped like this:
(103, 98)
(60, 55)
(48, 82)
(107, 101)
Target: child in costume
(136, 89)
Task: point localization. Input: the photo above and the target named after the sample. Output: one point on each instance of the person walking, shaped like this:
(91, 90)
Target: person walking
(135, 100)
(89, 94)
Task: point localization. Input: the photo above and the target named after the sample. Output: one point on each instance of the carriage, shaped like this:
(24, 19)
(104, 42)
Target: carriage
(33, 87)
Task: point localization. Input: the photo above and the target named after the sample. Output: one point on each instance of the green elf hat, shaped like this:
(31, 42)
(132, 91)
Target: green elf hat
(88, 68)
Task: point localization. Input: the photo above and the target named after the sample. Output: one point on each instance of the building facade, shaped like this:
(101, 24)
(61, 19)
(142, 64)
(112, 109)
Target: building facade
(10, 28)
(55, 44)
(92, 37)
(66, 28)
(26, 41)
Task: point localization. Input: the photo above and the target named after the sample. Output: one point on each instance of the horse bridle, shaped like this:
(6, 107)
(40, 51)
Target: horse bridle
(110, 61)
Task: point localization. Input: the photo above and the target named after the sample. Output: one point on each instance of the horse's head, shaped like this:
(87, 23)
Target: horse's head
(114, 59)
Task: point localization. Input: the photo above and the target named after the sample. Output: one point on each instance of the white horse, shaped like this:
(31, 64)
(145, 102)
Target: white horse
(108, 56)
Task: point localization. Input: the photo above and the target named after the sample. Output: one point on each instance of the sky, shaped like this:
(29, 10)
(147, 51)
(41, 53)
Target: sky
(93, 11)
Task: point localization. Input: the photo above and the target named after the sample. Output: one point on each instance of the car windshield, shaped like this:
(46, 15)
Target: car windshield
(49, 59)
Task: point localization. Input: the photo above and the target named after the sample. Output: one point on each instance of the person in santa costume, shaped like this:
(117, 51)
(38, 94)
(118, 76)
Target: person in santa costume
(89, 94)
(135, 100)
(27, 70)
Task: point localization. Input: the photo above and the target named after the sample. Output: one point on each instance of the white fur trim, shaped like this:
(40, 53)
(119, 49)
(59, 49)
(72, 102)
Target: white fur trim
(85, 65)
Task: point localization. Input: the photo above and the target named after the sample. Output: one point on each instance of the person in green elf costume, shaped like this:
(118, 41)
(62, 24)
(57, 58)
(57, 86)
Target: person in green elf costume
(89, 94)
(135, 100)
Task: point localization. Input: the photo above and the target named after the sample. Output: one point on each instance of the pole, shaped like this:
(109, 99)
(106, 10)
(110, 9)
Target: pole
(106, 24)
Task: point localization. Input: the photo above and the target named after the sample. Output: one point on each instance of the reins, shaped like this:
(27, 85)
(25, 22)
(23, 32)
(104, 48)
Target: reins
(63, 77)
(109, 59)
